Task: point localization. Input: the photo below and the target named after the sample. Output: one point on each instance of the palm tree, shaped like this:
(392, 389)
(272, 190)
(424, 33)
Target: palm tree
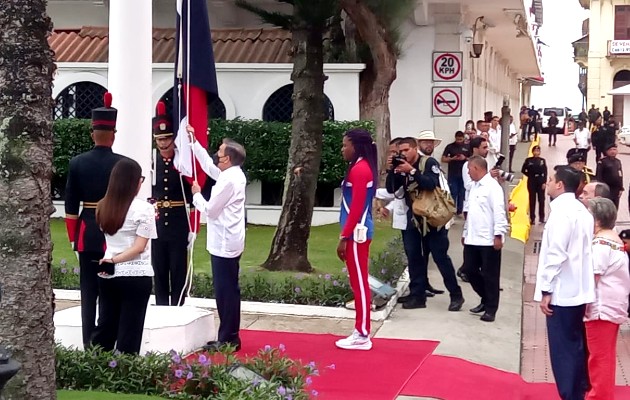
(377, 23)
(308, 22)
(26, 148)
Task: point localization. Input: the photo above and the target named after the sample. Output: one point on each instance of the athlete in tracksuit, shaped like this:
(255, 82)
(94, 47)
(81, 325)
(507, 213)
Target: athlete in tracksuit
(358, 191)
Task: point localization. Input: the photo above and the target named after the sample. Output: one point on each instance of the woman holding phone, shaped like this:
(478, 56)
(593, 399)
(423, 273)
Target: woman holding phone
(126, 272)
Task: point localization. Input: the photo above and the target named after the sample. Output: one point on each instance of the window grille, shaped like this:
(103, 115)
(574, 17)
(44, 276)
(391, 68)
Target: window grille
(78, 100)
(279, 106)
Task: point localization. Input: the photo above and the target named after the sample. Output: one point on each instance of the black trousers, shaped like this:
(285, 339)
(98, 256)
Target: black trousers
(412, 242)
(614, 197)
(483, 268)
(122, 309)
(169, 259)
(553, 134)
(511, 155)
(567, 351)
(436, 243)
(228, 296)
(88, 280)
(536, 192)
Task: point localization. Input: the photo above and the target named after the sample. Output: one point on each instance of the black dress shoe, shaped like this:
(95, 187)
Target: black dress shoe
(478, 309)
(433, 290)
(215, 345)
(414, 302)
(487, 317)
(403, 299)
(428, 293)
(462, 275)
(456, 304)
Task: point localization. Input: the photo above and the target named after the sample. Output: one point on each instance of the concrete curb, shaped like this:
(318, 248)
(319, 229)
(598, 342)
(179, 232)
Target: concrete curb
(255, 307)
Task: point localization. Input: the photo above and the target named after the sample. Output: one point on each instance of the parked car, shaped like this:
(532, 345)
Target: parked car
(561, 113)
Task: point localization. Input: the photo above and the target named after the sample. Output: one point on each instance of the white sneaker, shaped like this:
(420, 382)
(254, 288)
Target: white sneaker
(355, 342)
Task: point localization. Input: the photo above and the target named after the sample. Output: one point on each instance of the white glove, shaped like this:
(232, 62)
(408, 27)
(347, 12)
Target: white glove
(191, 239)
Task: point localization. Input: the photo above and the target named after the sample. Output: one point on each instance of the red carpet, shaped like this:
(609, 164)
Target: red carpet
(378, 374)
(451, 378)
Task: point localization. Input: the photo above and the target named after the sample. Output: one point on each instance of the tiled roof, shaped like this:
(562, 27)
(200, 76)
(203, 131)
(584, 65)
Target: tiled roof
(241, 45)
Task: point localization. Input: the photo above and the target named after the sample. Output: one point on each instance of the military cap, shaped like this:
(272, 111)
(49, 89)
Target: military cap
(609, 146)
(161, 124)
(104, 118)
(576, 157)
(625, 234)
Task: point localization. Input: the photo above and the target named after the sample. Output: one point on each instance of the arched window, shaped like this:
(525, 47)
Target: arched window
(279, 106)
(216, 109)
(78, 100)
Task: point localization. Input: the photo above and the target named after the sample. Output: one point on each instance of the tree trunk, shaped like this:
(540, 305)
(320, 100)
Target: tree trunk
(377, 79)
(26, 313)
(290, 243)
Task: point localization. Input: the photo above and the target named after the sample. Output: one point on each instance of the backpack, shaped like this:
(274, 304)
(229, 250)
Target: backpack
(437, 205)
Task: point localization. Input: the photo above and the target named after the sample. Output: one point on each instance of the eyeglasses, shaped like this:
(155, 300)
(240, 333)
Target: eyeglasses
(142, 179)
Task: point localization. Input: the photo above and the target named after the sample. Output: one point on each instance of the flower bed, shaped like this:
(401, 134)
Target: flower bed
(270, 374)
(307, 289)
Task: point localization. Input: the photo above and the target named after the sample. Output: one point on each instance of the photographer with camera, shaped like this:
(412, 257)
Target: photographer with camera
(415, 173)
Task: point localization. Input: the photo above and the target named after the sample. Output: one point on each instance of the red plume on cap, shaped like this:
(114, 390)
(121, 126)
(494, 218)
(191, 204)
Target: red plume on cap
(107, 100)
(161, 108)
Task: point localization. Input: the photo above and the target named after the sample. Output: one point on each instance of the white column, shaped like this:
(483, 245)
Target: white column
(129, 81)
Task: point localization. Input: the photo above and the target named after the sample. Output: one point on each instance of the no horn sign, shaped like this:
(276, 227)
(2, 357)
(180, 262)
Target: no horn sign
(447, 66)
(447, 101)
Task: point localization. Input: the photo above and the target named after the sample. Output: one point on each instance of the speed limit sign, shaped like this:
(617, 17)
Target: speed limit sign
(447, 66)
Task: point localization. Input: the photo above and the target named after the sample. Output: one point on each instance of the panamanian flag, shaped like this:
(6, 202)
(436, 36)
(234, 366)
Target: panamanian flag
(195, 72)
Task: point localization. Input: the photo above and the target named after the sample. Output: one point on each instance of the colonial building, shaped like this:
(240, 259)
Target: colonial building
(459, 59)
(603, 53)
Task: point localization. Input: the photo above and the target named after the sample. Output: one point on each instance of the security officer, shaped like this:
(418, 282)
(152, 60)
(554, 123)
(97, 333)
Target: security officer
(88, 177)
(609, 171)
(535, 169)
(576, 160)
(170, 194)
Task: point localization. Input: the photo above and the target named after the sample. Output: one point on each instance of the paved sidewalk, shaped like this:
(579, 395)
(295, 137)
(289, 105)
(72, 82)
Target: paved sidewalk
(535, 364)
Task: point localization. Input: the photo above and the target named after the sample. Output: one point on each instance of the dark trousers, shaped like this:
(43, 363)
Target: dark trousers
(567, 351)
(88, 279)
(122, 309)
(598, 152)
(417, 266)
(511, 155)
(228, 296)
(436, 243)
(553, 135)
(536, 192)
(483, 268)
(614, 196)
(458, 192)
(170, 265)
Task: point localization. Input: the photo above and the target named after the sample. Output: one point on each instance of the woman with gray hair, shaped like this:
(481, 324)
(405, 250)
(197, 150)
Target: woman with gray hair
(610, 309)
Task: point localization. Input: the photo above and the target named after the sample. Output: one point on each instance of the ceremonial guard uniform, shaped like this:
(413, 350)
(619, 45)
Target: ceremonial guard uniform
(610, 172)
(535, 169)
(170, 195)
(88, 177)
(576, 160)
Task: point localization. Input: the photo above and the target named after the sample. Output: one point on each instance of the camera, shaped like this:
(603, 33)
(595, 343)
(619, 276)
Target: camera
(503, 174)
(398, 159)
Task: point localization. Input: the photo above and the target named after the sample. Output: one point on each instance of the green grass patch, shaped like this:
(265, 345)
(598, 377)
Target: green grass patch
(75, 395)
(321, 249)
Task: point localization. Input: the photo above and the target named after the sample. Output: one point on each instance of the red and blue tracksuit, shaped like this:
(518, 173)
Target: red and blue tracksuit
(356, 208)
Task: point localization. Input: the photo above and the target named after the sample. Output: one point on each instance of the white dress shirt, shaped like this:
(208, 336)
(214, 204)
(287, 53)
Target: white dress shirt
(396, 206)
(581, 137)
(486, 213)
(513, 139)
(139, 221)
(565, 263)
(468, 183)
(225, 211)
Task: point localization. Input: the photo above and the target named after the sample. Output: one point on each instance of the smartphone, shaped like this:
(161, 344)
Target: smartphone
(107, 268)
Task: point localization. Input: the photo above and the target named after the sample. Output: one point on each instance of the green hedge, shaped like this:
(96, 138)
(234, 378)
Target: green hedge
(267, 145)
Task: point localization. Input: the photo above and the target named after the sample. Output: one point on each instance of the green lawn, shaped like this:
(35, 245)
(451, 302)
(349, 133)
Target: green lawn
(321, 249)
(72, 395)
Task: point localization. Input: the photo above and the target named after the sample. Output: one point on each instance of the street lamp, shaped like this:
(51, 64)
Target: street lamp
(8, 367)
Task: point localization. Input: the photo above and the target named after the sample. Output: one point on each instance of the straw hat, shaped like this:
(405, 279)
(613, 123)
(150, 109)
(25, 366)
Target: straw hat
(428, 135)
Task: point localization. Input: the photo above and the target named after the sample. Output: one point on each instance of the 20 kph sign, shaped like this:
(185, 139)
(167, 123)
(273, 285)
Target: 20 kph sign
(447, 66)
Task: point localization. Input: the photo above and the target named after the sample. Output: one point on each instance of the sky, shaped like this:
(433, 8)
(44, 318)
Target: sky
(562, 25)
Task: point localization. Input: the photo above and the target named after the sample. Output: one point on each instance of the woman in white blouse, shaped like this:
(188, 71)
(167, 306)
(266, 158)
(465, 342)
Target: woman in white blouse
(610, 309)
(126, 272)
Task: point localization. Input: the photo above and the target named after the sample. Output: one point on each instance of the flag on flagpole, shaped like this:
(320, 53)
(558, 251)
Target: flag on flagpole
(195, 81)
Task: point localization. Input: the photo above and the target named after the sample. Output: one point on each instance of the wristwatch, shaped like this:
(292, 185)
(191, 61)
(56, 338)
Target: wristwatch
(413, 171)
